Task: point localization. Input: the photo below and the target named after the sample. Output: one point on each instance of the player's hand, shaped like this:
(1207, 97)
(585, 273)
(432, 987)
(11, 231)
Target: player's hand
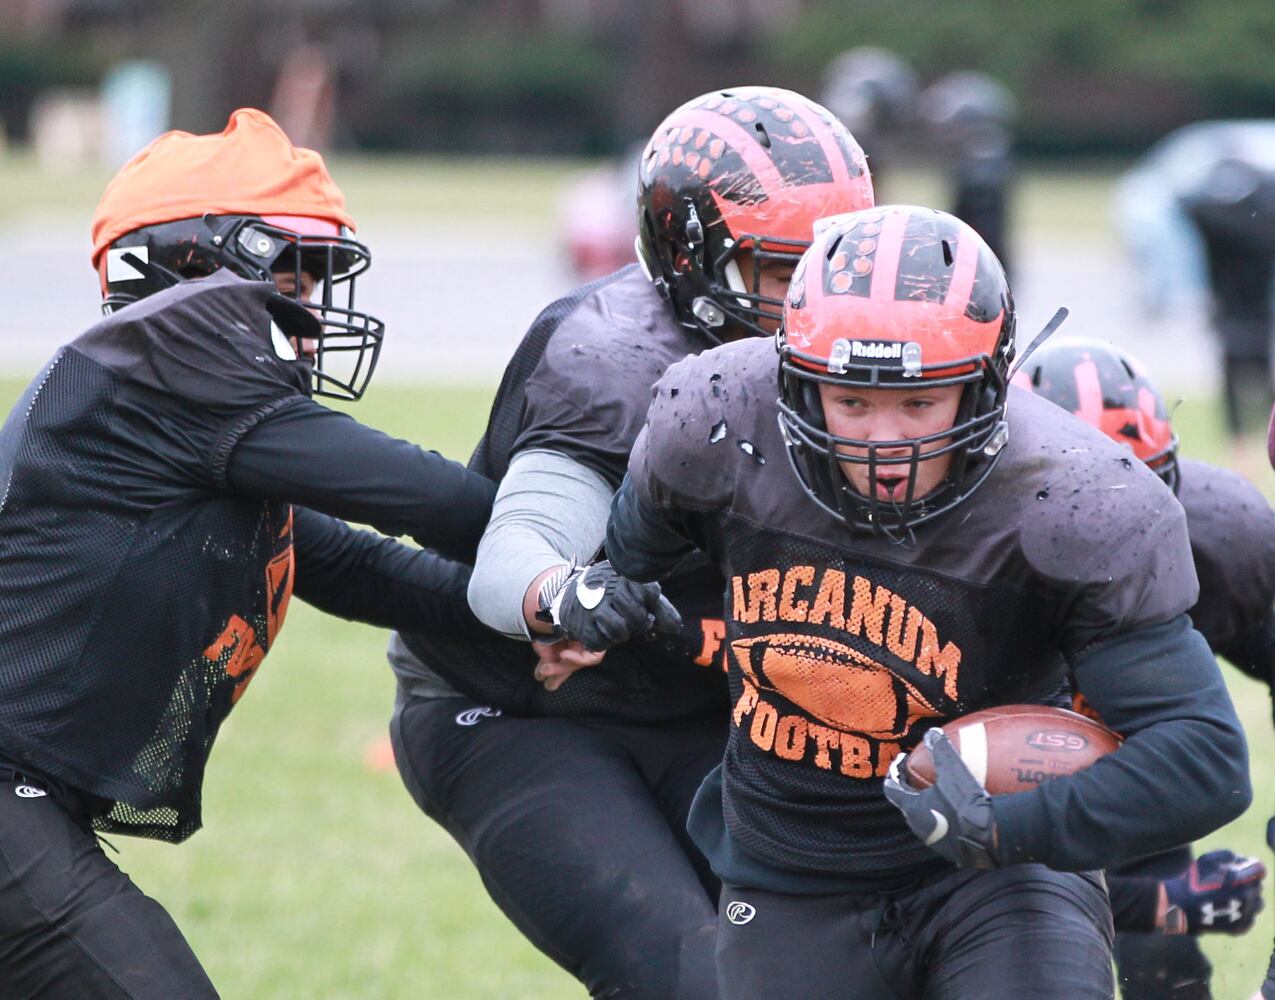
(559, 660)
(599, 608)
(953, 817)
(1220, 893)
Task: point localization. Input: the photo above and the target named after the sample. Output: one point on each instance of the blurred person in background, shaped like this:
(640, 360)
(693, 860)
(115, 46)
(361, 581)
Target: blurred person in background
(1156, 900)
(571, 799)
(970, 116)
(596, 218)
(873, 91)
(1233, 209)
(167, 479)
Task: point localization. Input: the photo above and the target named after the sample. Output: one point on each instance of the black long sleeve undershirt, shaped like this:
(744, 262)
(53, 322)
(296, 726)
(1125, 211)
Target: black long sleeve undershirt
(308, 455)
(640, 542)
(362, 576)
(1181, 773)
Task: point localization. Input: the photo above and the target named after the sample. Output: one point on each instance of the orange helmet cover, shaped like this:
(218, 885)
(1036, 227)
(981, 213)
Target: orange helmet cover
(250, 168)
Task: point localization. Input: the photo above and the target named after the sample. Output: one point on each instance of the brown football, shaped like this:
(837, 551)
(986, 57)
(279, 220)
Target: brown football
(1014, 748)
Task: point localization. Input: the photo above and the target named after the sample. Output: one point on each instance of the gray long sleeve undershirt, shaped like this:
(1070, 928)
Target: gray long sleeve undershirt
(549, 509)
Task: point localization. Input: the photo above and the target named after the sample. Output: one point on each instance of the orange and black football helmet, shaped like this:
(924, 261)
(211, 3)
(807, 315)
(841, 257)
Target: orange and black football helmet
(245, 199)
(895, 296)
(748, 169)
(1108, 388)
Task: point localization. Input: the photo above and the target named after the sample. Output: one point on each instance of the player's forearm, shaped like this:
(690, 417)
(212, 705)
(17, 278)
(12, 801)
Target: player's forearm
(1181, 773)
(361, 576)
(549, 510)
(318, 458)
(640, 542)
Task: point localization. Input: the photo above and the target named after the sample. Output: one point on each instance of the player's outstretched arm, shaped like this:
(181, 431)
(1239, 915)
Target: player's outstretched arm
(1181, 773)
(550, 511)
(309, 455)
(365, 577)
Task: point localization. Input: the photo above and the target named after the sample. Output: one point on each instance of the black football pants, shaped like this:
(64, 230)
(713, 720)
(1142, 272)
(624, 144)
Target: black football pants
(1020, 933)
(579, 833)
(72, 925)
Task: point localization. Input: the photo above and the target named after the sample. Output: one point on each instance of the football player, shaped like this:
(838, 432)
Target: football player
(1234, 213)
(1232, 532)
(906, 541)
(149, 537)
(572, 800)
(1267, 991)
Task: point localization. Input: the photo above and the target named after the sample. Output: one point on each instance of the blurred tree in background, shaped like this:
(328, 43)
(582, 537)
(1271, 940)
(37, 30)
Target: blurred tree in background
(590, 76)
(1090, 75)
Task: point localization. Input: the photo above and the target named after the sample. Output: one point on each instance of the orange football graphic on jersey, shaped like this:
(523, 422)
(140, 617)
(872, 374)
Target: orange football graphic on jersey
(833, 683)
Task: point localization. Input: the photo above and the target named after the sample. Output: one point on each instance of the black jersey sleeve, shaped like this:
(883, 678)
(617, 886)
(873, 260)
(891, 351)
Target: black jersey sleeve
(1181, 773)
(1117, 547)
(213, 343)
(589, 394)
(362, 576)
(656, 517)
(309, 455)
(1254, 652)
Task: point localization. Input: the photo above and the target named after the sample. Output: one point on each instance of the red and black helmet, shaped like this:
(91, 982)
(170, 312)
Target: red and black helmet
(1108, 388)
(748, 169)
(896, 296)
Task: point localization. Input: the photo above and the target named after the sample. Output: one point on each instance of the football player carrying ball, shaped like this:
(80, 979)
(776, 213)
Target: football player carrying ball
(907, 540)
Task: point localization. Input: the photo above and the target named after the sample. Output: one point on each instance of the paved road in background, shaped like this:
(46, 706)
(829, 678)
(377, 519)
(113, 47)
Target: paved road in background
(456, 302)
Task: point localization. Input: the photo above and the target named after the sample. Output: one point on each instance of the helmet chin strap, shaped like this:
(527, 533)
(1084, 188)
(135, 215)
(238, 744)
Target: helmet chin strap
(152, 270)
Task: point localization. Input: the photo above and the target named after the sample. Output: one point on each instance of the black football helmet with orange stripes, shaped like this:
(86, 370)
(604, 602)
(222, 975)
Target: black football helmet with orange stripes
(740, 173)
(896, 296)
(1108, 388)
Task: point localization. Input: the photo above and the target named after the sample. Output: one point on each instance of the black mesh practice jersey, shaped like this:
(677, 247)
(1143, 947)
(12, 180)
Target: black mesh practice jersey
(1232, 529)
(579, 385)
(142, 585)
(843, 648)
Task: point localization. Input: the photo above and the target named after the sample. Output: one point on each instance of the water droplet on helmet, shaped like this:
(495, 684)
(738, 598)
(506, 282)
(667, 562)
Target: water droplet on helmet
(718, 432)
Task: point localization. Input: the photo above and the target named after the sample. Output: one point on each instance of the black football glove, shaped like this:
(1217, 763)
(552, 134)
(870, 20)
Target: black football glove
(953, 817)
(599, 608)
(1220, 892)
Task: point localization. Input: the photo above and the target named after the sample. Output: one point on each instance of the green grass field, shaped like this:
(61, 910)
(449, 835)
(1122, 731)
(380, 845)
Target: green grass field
(317, 876)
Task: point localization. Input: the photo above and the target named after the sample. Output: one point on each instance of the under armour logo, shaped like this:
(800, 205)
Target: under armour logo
(1231, 913)
(29, 792)
(739, 912)
(470, 716)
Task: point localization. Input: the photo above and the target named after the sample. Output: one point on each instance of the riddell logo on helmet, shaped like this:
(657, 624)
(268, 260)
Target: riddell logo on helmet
(845, 351)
